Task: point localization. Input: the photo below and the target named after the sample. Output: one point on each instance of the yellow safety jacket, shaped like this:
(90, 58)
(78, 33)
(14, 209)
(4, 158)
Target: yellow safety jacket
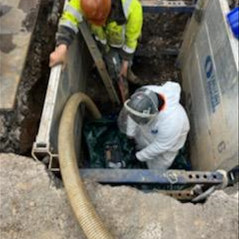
(121, 36)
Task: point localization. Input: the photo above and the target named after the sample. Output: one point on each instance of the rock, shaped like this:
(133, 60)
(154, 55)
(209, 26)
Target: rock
(35, 208)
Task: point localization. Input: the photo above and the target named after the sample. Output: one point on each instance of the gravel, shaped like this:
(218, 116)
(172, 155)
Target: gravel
(33, 204)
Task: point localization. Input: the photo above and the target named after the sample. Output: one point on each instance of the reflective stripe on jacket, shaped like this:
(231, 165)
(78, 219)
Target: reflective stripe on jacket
(72, 15)
(121, 36)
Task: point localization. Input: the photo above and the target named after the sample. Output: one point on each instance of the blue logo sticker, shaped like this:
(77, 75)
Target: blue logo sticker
(209, 66)
(154, 131)
(212, 85)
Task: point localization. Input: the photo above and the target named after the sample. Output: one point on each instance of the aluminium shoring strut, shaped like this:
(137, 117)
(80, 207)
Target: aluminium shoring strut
(196, 183)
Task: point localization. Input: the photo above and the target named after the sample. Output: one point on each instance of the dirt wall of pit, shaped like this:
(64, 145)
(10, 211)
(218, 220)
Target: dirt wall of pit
(18, 127)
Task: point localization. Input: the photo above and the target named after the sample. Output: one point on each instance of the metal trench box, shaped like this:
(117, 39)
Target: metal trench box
(63, 83)
(209, 63)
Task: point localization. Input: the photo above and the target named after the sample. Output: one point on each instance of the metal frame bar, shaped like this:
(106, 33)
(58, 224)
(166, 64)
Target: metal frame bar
(168, 52)
(182, 195)
(159, 6)
(146, 176)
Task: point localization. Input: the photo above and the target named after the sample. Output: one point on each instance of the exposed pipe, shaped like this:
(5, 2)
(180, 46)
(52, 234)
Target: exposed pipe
(86, 214)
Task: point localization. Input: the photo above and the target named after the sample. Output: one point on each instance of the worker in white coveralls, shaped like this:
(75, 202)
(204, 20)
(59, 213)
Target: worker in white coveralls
(157, 122)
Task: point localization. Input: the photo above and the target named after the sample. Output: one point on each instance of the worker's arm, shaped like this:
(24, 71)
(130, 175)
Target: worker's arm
(164, 142)
(68, 28)
(133, 30)
(132, 33)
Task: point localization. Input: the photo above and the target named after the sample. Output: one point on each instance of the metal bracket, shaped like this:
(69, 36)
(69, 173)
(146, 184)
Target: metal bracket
(182, 195)
(43, 154)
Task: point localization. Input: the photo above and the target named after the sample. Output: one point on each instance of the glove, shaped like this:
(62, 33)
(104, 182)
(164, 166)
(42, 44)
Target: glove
(139, 157)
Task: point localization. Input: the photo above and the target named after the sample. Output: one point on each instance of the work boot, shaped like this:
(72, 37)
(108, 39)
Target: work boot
(132, 78)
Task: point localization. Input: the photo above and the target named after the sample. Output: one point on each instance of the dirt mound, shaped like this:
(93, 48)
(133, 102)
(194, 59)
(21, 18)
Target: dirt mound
(18, 128)
(34, 205)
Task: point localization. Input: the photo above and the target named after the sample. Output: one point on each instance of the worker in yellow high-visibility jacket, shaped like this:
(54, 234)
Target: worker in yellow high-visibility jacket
(116, 24)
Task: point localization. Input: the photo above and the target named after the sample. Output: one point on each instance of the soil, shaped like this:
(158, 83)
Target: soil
(156, 56)
(155, 60)
(36, 206)
(19, 127)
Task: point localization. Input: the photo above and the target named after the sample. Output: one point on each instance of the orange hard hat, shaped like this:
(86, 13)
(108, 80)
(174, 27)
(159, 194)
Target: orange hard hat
(96, 11)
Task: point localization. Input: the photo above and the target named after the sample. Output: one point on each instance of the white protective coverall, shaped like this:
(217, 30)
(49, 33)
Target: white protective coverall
(160, 140)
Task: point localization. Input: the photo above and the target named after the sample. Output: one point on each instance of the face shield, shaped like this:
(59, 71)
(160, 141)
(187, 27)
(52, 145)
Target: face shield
(140, 118)
(140, 109)
(129, 118)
